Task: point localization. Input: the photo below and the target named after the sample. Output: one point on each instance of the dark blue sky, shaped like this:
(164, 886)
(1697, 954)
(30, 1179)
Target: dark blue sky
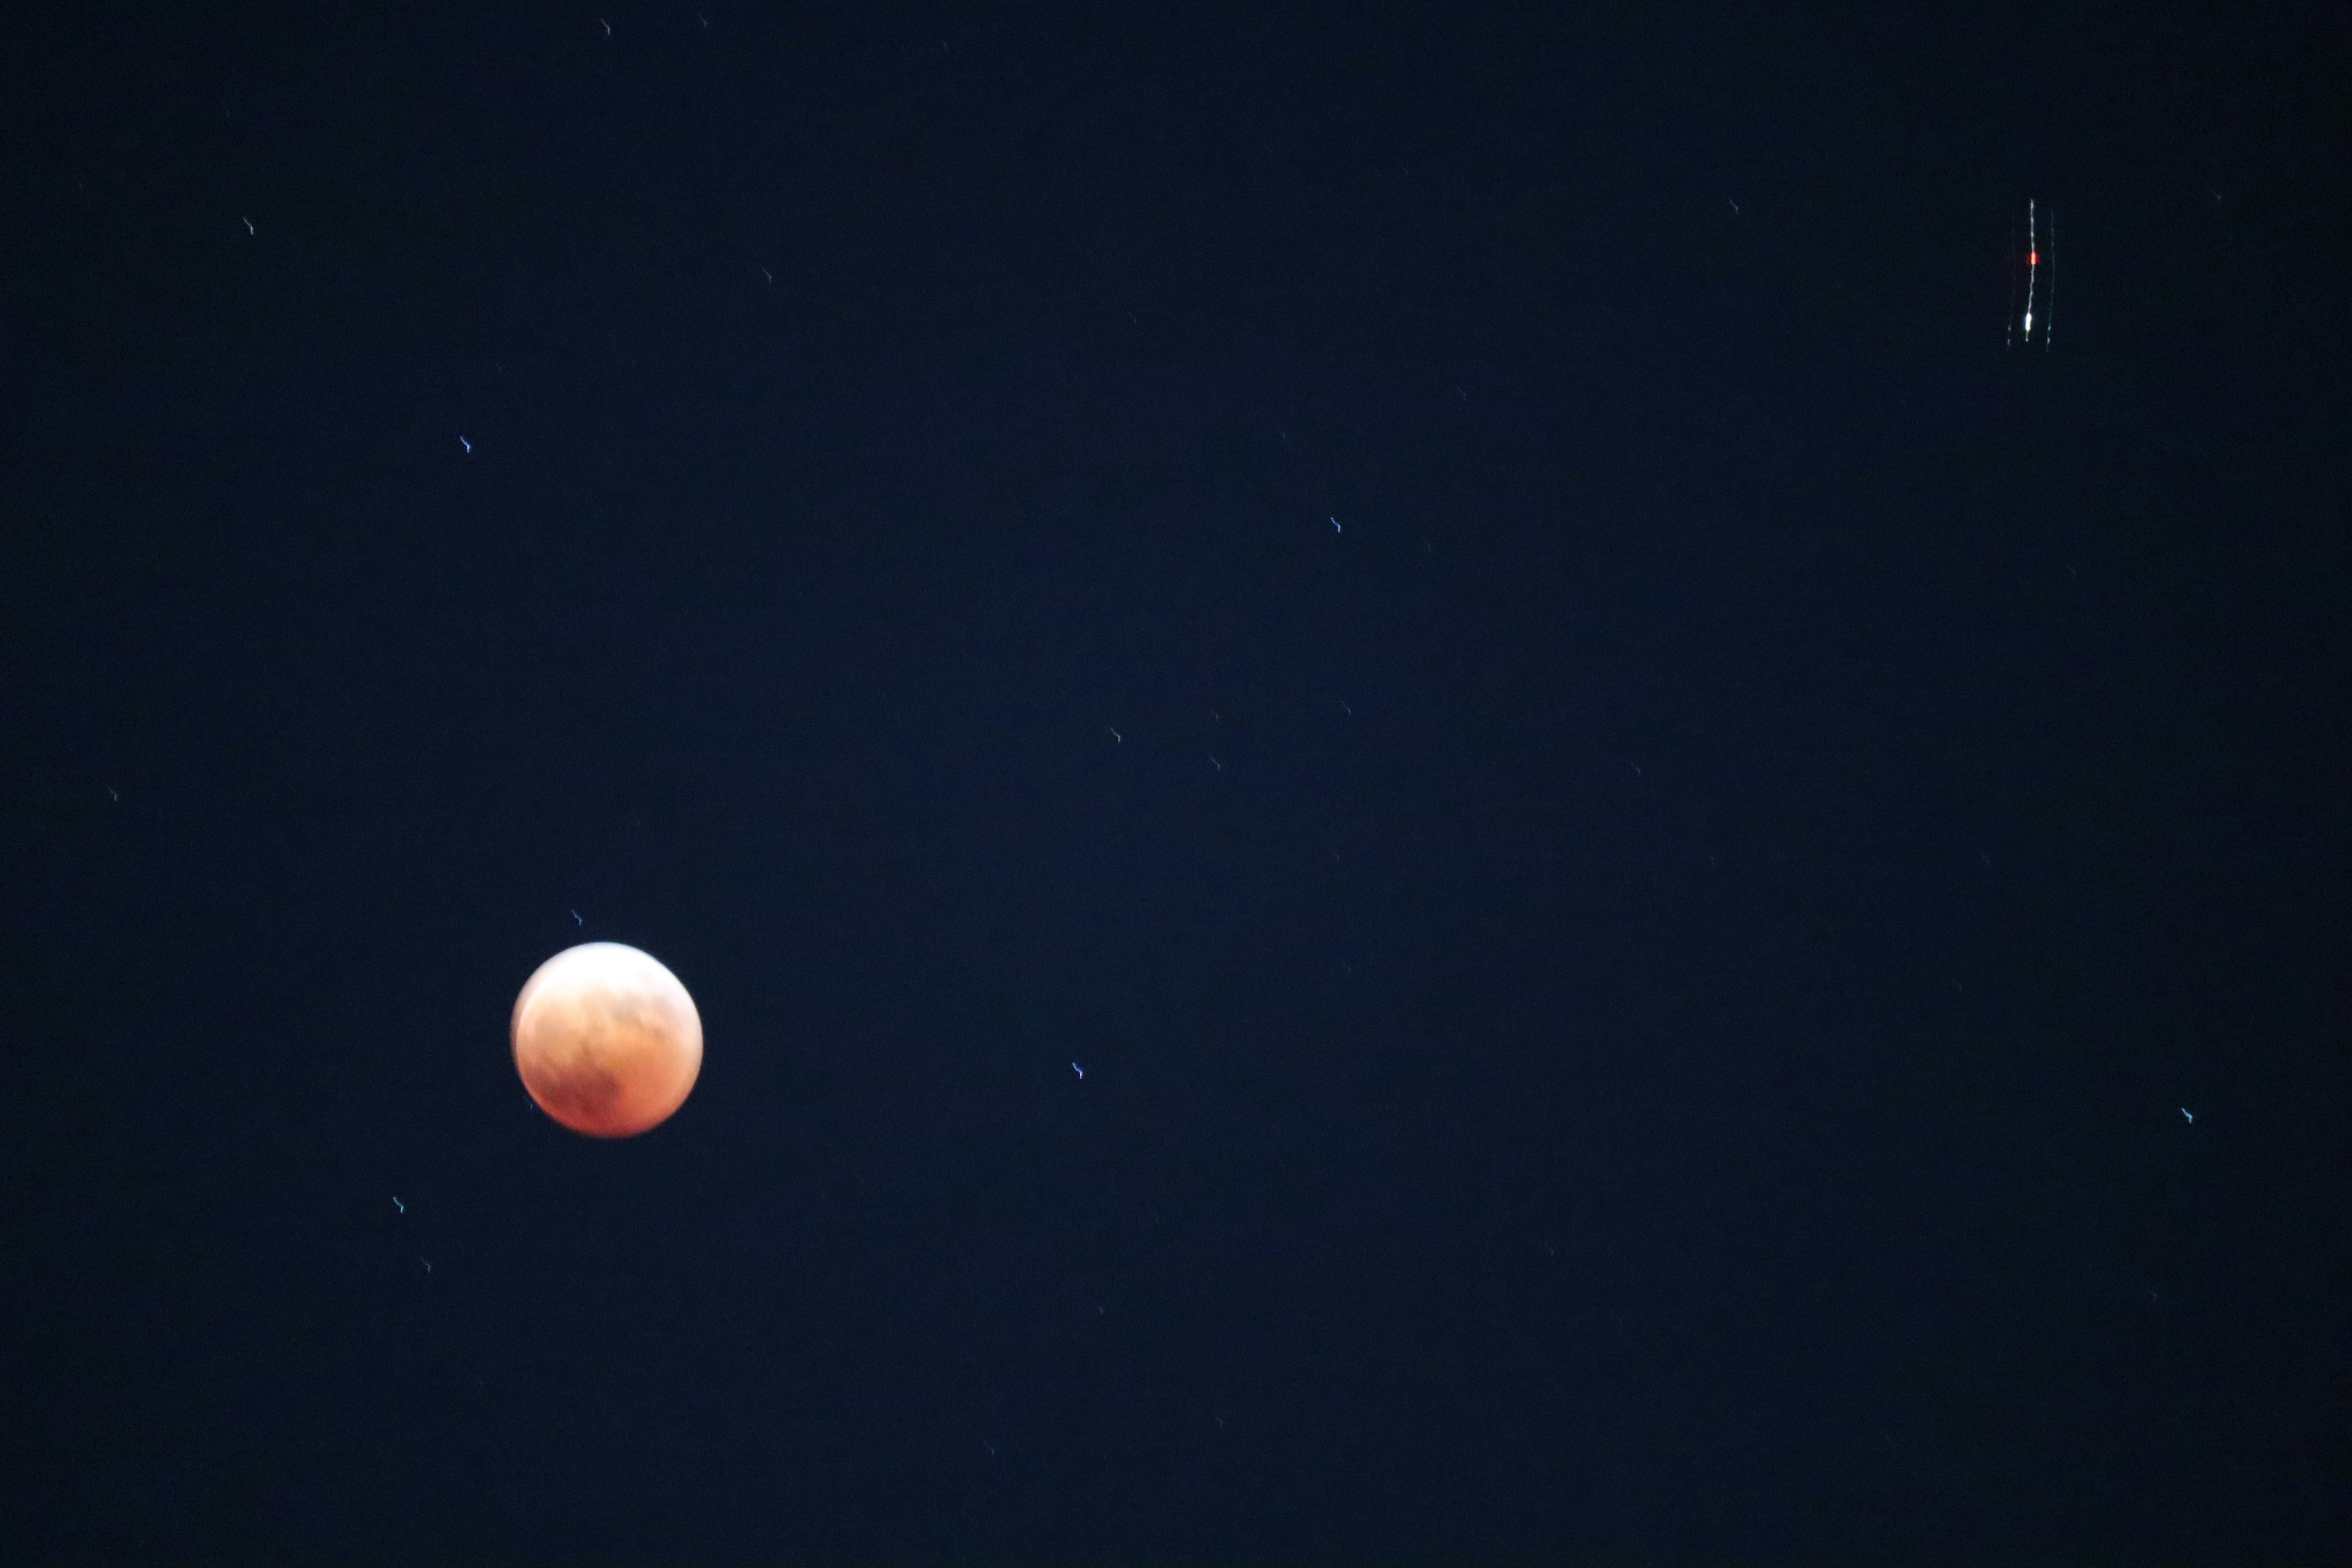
(1704, 914)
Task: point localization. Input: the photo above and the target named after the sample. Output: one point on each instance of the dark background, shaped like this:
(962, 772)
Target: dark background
(1642, 999)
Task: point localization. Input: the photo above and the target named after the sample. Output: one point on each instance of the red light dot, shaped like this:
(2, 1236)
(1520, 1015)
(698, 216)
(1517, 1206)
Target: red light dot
(2033, 258)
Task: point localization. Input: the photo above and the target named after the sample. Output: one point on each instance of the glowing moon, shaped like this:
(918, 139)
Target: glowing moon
(607, 1041)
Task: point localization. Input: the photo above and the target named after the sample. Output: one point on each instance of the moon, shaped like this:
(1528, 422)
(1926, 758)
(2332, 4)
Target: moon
(606, 1040)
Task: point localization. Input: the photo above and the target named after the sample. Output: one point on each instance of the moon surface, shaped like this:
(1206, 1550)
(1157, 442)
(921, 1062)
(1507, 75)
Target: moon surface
(607, 1041)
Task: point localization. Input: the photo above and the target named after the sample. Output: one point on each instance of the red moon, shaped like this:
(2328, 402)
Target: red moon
(607, 1041)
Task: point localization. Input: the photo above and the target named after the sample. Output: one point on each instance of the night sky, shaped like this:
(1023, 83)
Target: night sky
(1422, 804)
